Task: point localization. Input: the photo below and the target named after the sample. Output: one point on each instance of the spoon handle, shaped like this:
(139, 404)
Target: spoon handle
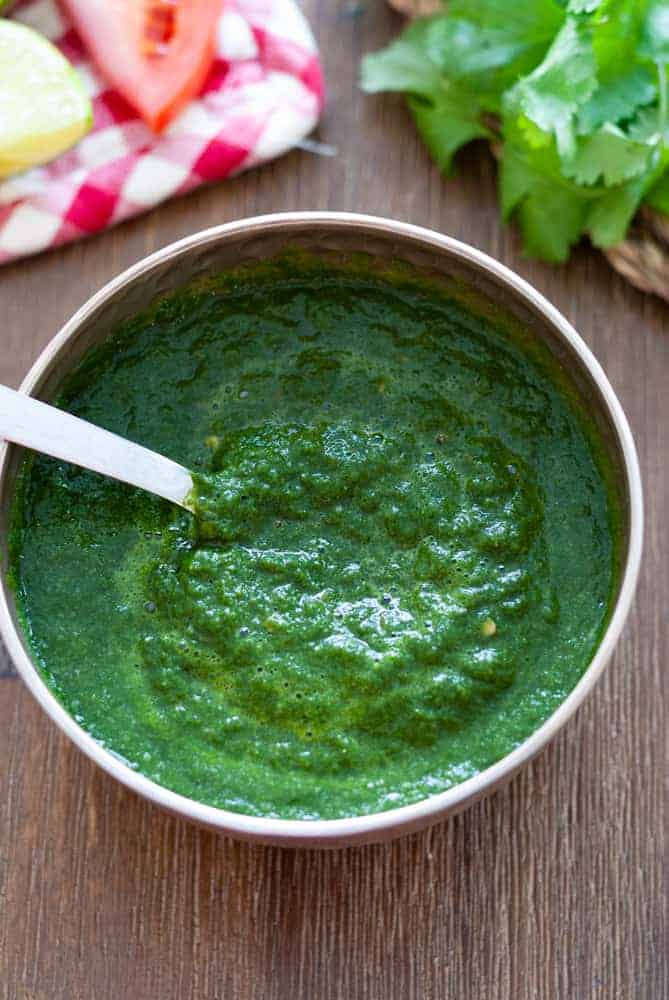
(28, 422)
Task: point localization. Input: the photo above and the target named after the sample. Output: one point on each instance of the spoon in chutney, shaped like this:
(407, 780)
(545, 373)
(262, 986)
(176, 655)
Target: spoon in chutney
(27, 421)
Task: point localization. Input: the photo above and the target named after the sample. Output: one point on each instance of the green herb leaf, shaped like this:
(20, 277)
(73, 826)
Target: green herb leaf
(489, 54)
(646, 126)
(538, 20)
(552, 94)
(486, 57)
(446, 111)
(658, 196)
(552, 215)
(448, 123)
(616, 33)
(609, 218)
(406, 65)
(655, 34)
(580, 91)
(552, 220)
(610, 155)
(618, 100)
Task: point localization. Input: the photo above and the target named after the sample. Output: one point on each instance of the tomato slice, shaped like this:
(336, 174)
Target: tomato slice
(154, 52)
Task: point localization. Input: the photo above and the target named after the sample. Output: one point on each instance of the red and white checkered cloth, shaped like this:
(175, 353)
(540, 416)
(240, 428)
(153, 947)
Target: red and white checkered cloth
(264, 93)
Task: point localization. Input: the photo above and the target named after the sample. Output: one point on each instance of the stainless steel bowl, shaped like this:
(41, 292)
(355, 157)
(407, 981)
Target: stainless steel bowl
(429, 253)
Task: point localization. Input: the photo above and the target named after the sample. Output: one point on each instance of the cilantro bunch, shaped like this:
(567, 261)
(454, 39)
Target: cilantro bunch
(573, 94)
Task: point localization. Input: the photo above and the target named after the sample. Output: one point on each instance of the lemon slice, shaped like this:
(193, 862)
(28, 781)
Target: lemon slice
(43, 106)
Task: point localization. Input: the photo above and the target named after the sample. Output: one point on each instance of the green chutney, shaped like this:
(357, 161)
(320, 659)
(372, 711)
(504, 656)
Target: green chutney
(403, 557)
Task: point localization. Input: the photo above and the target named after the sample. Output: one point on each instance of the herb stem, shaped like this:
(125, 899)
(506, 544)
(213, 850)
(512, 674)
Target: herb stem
(662, 112)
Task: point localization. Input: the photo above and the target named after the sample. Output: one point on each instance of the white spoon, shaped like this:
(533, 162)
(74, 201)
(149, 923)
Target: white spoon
(44, 428)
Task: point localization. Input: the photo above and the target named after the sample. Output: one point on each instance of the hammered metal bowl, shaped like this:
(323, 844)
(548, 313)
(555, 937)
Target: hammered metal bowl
(427, 253)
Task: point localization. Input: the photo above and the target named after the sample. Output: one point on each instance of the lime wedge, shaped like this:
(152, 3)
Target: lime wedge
(43, 106)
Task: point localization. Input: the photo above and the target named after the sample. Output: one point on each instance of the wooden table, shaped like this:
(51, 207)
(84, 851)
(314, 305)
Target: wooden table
(554, 888)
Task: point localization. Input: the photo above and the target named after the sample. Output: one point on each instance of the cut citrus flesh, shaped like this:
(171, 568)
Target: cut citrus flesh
(44, 108)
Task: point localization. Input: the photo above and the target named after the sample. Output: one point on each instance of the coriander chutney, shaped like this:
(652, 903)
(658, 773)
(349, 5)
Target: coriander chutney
(403, 556)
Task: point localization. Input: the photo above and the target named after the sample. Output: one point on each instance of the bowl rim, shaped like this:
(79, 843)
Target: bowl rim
(379, 825)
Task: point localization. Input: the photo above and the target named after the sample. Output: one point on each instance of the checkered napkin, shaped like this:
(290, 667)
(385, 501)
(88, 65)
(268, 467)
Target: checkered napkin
(264, 93)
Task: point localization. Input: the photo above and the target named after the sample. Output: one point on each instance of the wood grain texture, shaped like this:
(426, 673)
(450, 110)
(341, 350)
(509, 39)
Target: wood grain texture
(554, 888)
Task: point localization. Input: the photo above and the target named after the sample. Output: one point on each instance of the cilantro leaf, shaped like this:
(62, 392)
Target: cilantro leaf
(608, 154)
(552, 215)
(539, 20)
(580, 91)
(549, 97)
(551, 220)
(646, 126)
(489, 55)
(485, 56)
(447, 113)
(406, 65)
(658, 196)
(616, 31)
(610, 216)
(448, 123)
(516, 180)
(655, 34)
(618, 100)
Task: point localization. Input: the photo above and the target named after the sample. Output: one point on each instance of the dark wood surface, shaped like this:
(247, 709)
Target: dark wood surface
(554, 888)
